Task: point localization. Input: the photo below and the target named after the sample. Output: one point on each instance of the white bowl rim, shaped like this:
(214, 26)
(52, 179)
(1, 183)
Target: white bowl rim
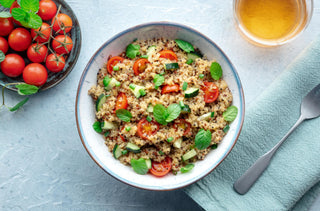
(241, 111)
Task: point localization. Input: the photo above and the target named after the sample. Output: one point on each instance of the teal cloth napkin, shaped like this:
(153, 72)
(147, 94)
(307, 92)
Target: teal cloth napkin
(295, 168)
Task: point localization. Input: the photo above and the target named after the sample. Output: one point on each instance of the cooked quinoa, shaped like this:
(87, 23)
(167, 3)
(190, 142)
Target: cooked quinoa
(160, 142)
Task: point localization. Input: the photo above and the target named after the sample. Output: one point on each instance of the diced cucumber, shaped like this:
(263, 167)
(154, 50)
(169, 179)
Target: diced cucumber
(117, 152)
(133, 148)
(151, 50)
(185, 109)
(206, 116)
(177, 143)
(106, 125)
(100, 101)
(148, 162)
(193, 56)
(189, 155)
(150, 108)
(171, 66)
(109, 83)
(137, 90)
(191, 92)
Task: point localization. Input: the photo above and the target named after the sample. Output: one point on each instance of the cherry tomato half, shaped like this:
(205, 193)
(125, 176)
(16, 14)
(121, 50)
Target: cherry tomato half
(47, 9)
(12, 65)
(139, 66)
(55, 63)
(62, 44)
(35, 74)
(113, 61)
(121, 102)
(168, 54)
(6, 26)
(37, 52)
(62, 22)
(170, 88)
(4, 45)
(19, 39)
(161, 169)
(182, 124)
(41, 34)
(146, 129)
(211, 92)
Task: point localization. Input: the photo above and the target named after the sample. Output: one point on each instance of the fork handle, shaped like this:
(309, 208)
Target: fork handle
(244, 183)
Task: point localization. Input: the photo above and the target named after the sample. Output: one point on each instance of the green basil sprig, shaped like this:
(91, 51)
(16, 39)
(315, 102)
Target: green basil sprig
(132, 51)
(97, 126)
(26, 14)
(230, 114)
(184, 45)
(187, 168)
(165, 115)
(2, 56)
(124, 115)
(158, 80)
(216, 70)
(203, 139)
(139, 166)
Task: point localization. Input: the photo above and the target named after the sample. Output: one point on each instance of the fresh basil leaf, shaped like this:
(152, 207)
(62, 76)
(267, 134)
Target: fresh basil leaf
(30, 5)
(214, 146)
(160, 114)
(34, 21)
(226, 128)
(132, 51)
(6, 3)
(21, 103)
(187, 168)
(216, 70)
(20, 15)
(173, 111)
(2, 56)
(230, 114)
(97, 126)
(139, 166)
(158, 80)
(184, 45)
(124, 115)
(5, 14)
(203, 139)
(27, 89)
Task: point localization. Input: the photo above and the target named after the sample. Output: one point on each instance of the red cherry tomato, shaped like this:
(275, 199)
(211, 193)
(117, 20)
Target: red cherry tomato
(47, 9)
(121, 102)
(15, 5)
(170, 88)
(211, 92)
(139, 66)
(55, 63)
(146, 129)
(62, 44)
(37, 52)
(4, 45)
(183, 124)
(168, 54)
(61, 23)
(6, 26)
(12, 65)
(41, 34)
(113, 61)
(19, 39)
(161, 169)
(35, 74)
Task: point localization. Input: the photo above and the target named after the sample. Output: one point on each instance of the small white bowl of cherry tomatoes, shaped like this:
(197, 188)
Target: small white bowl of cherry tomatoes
(38, 46)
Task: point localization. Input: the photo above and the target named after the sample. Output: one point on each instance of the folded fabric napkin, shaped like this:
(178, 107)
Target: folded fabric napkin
(294, 169)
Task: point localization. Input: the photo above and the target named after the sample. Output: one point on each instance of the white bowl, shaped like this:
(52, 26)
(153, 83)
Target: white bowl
(85, 112)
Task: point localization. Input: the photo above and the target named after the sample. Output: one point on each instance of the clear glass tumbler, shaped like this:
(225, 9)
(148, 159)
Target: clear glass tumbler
(272, 22)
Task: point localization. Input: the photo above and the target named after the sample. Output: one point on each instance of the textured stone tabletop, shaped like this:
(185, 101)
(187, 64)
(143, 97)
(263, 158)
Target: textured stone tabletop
(43, 164)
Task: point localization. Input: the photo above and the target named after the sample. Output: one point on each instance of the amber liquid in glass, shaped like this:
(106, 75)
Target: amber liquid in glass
(271, 19)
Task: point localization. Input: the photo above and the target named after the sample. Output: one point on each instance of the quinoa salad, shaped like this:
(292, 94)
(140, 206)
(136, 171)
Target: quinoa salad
(161, 106)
